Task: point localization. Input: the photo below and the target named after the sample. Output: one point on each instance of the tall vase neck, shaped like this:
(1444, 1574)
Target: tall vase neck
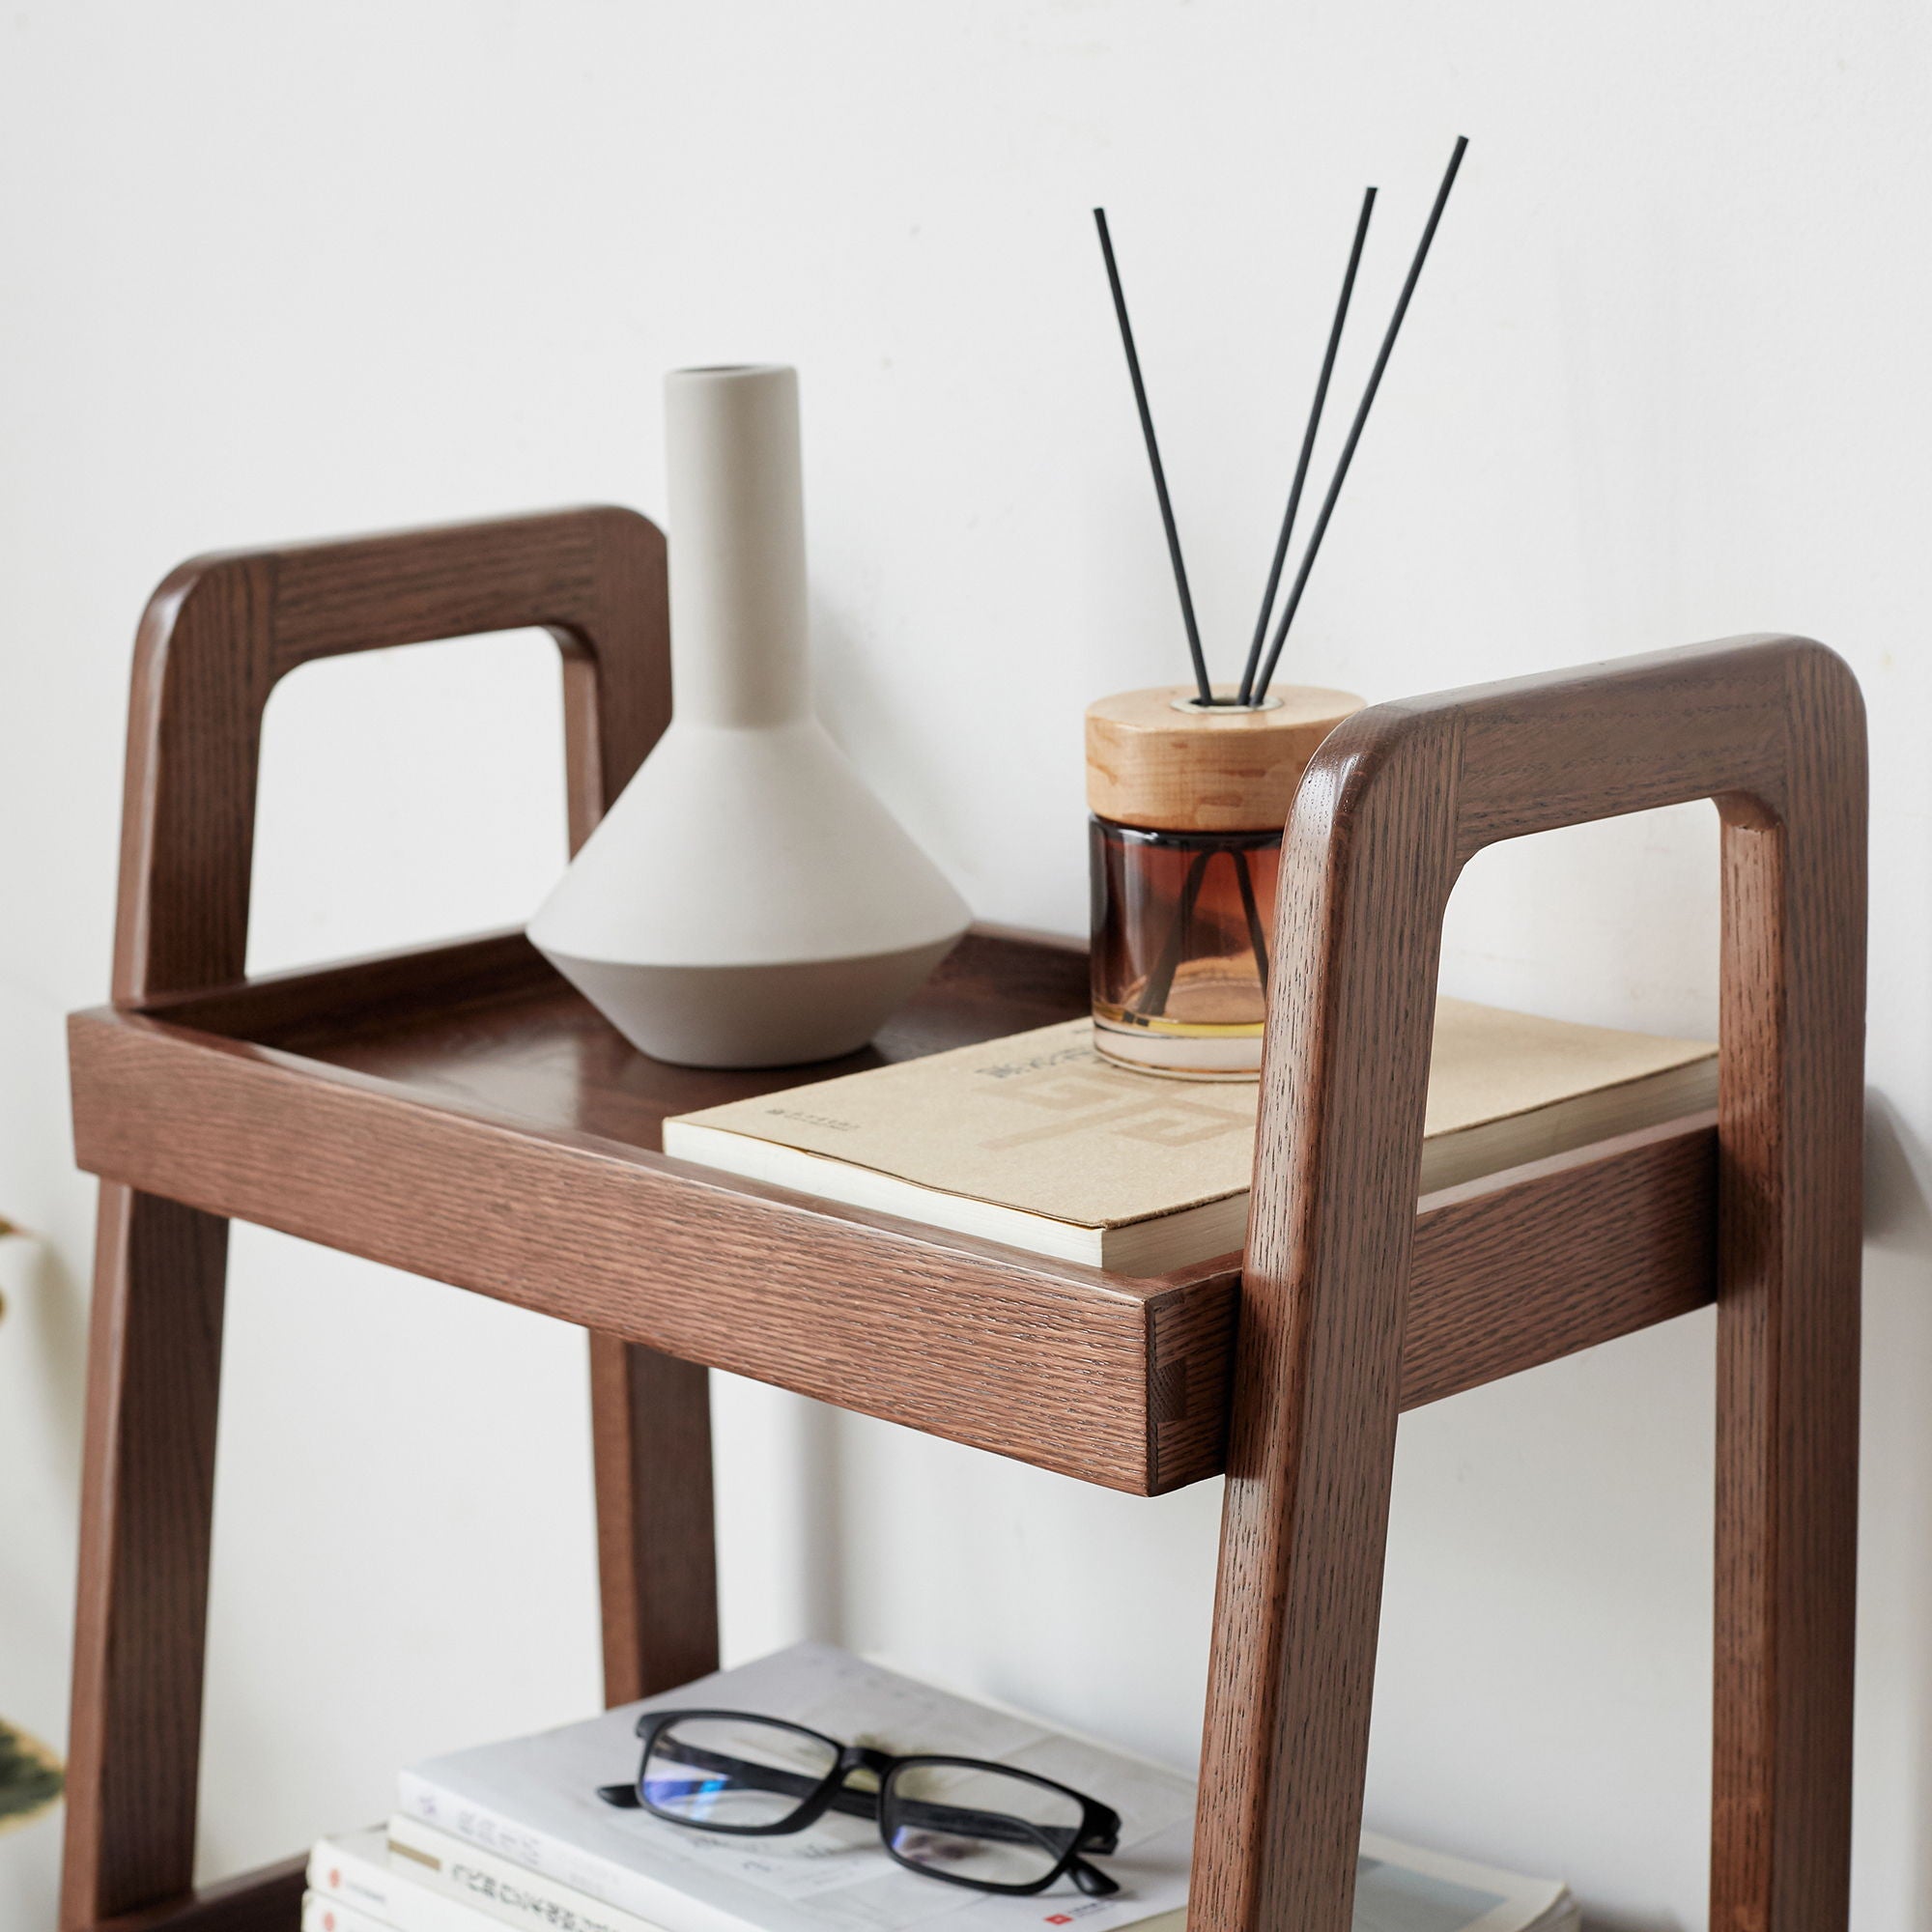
(737, 546)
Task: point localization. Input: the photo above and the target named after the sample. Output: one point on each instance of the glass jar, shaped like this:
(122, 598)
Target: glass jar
(1189, 801)
(1181, 923)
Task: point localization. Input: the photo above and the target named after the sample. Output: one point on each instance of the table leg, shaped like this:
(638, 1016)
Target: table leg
(147, 1504)
(657, 1567)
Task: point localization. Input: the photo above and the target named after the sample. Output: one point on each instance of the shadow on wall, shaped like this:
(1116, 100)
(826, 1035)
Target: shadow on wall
(1898, 1329)
(822, 1491)
(1898, 1180)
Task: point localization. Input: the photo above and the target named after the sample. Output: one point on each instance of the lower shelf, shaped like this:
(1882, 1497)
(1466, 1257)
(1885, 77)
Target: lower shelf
(461, 1113)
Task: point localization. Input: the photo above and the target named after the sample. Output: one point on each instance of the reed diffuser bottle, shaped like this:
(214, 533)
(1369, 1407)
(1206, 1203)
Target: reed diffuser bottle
(1188, 804)
(1190, 785)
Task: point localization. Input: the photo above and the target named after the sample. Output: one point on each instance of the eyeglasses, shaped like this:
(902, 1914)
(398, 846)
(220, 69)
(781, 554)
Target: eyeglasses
(958, 1819)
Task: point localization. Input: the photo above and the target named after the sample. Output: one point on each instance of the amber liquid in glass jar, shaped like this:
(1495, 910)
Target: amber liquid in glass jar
(1180, 931)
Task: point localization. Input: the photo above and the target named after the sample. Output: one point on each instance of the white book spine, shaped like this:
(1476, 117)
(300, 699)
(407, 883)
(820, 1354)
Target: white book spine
(323, 1913)
(493, 1885)
(544, 1857)
(352, 1876)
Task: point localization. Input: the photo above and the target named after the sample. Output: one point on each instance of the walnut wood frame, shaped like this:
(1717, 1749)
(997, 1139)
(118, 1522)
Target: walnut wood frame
(311, 1103)
(1395, 803)
(217, 637)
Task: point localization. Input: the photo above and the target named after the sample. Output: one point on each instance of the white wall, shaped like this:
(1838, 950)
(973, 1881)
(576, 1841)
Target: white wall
(269, 271)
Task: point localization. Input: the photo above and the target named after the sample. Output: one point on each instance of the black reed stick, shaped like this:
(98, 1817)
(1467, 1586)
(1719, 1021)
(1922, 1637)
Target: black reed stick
(1307, 450)
(1155, 994)
(1361, 416)
(1251, 912)
(1205, 689)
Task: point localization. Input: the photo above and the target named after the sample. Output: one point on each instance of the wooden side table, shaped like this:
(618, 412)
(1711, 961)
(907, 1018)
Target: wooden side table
(458, 1111)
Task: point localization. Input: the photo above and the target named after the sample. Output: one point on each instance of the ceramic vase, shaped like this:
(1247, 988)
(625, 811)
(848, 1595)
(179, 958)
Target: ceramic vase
(748, 901)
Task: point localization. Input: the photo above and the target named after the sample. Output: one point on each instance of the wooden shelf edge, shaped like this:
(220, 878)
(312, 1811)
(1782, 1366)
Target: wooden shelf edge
(1525, 1267)
(455, 973)
(1040, 1360)
(1108, 1379)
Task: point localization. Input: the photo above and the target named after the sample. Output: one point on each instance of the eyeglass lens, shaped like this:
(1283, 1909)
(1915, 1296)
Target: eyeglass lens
(733, 1771)
(973, 1823)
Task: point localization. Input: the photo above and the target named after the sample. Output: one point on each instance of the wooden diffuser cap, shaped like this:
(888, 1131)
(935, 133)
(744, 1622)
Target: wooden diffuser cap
(1191, 770)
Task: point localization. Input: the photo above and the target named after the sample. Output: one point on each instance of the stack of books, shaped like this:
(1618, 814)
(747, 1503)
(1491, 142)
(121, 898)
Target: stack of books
(515, 1834)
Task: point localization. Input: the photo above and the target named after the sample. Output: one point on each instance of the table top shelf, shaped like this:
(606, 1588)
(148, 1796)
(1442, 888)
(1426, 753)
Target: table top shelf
(461, 1112)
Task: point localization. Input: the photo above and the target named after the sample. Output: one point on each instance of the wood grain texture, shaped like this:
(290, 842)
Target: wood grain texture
(1524, 1268)
(1396, 801)
(656, 1561)
(1791, 1109)
(221, 631)
(1318, 1378)
(1510, 1271)
(217, 637)
(987, 1344)
(147, 1508)
(1150, 765)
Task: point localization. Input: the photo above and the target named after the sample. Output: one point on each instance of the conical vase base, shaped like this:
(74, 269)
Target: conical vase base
(752, 1015)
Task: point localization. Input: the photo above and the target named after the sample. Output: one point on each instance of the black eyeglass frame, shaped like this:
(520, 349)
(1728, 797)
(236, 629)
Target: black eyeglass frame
(1099, 1830)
